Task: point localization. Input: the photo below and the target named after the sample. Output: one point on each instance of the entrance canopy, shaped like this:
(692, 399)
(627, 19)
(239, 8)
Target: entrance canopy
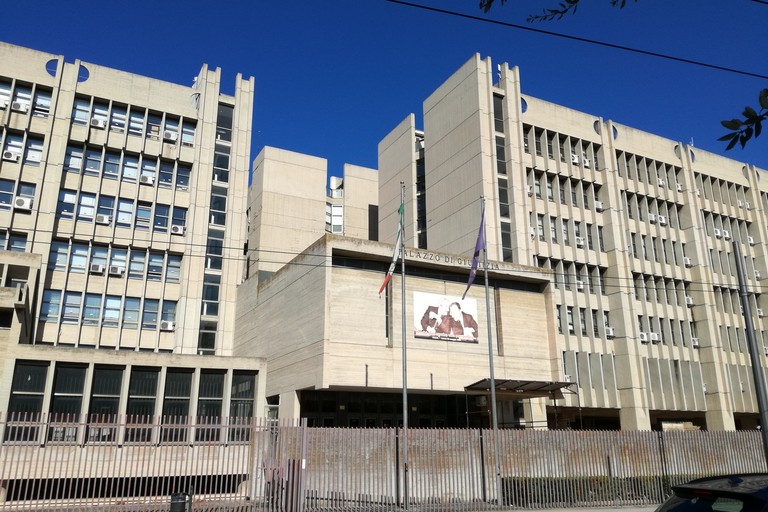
(508, 389)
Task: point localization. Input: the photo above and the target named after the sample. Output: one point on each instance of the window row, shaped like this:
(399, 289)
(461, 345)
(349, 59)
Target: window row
(132, 168)
(186, 393)
(138, 263)
(103, 209)
(108, 310)
(580, 234)
(136, 121)
(662, 330)
(661, 290)
(570, 275)
(651, 248)
(590, 322)
(729, 302)
(562, 147)
(722, 262)
(21, 147)
(22, 97)
(726, 228)
(578, 192)
(18, 196)
(10, 241)
(647, 170)
(654, 211)
(722, 191)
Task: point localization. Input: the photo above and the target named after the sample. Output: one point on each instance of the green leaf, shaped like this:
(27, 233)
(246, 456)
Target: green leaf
(764, 98)
(733, 124)
(749, 112)
(728, 136)
(758, 127)
(732, 143)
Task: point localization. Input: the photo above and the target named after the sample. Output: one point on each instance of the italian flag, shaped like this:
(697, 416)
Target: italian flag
(398, 243)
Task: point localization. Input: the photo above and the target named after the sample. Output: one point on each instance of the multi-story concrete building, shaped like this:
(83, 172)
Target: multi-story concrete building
(125, 198)
(637, 229)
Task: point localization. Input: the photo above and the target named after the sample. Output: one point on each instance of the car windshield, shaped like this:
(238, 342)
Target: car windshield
(706, 504)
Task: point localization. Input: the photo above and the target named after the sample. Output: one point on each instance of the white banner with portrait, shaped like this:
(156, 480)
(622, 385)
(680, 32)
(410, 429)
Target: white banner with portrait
(444, 317)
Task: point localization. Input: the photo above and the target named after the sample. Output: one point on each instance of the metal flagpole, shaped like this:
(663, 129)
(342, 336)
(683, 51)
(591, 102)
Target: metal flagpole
(405, 361)
(494, 417)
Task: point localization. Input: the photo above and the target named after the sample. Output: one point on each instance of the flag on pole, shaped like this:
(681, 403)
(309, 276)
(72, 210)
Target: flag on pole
(479, 246)
(398, 242)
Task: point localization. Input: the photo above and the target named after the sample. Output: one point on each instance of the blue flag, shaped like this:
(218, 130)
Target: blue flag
(479, 246)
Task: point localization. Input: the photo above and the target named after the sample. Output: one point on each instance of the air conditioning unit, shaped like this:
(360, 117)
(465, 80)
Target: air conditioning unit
(662, 220)
(178, 230)
(740, 203)
(530, 190)
(3, 104)
(115, 270)
(760, 313)
(20, 107)
(586, 160)
(757, 274)
(98, 123)
(698, 192)
(689, 301)
(765, 351)
(533, 233)
(726, 234)
(655, 338)
(11, 156)
(660, 182)
(695, 342)
(579, 241)
(644, 338)
(580, 285)
(574, 159)
(165, 325)
(96, 268)
(170, 135)
(679, 187)
(751, 240)
(147, 180)
(687, 262)
(104, 220)
(652, 218)
(609, 332)
(566, 378)
(748, 205)
(718, 234)
(598, 206)
(22, 203)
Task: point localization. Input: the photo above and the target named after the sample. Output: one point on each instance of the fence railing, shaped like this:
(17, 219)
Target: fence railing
(143, 462)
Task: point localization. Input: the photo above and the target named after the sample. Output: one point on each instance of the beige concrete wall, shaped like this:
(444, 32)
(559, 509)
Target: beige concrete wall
(360, 191)
(397, 163)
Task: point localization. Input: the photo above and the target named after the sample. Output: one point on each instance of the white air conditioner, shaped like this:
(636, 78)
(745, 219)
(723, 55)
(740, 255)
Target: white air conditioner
(566, 378)
(644, 337)
(20, 107)
(748, 205)
(655, 338)
(695, 342)
(22, 203)
(178, 230)
(765, 351)
(586, 160)
(726, 234)
(147, 180)
(574, 159)
(652, 218)
(530, 190)
(687, 262)
(96, 268)
(170, 135)
(115, 270)
(579, 241)
(598, 206)
(579, 285)
(740, 203)
(751, 240)
(98, 123)
(165, 325)
(698, 192)
(660, 182)
(760, 313)
(662, 220)
(609, 332)
(532, 233)
(757, 274)
(3, 104)
(11, 156)
(689, 301)
(105, 220)
(718, 234)
(679, 187)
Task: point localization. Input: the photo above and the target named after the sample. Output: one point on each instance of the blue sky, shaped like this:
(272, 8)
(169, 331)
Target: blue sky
(333, 77)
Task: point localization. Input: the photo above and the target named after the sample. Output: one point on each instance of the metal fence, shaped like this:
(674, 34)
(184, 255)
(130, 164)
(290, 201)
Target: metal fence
(160, 463)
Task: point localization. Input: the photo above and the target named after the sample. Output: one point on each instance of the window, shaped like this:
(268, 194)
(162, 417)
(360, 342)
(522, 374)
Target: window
(334, 218)
(5, 94)
(99, 255)
(17, 242)
(171, 127)
(506, 241)
(49, 312)
(92, 309)
(165, 176)
(86, 207)
(100, 114)
(34, 151)
(92, 161)
(106, 206)
(210, 303)
(178, 389)
(155, 266)
(209, 404)
(111, 164)
(183, 173)
(221, 163)
(119, 258)
(73, 159)
(78, 260)
(187, 133)
(136, 264)
(136, 122)
(241, 403)
(105, 403)
(153, 126)
(66, 402)
(140, 409)
(118, 119)
(503, 198)
(179, 216)
(66, 205)
(6, 194)
(71, 310)
(162, 212)
(81, 111)
(501, 159)
(169, 311)
(26, 401)
(173, 269)
(124, 212)
(130, 167)
(143, 215)
(224, 123)
(112, 305)
(131, 313)
(218, 206)
(206, 343)
(149, 315)
(149, 170)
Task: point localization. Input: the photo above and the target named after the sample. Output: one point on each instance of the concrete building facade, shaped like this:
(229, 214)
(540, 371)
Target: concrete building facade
(122, 201)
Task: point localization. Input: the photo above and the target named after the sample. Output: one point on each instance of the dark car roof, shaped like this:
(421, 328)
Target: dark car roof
(753, 484)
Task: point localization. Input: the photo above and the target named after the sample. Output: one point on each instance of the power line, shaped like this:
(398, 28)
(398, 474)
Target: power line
(584, 39)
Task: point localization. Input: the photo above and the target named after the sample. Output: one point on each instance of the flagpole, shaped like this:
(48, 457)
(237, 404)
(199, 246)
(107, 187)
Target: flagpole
(494, 420)
(405, 361)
